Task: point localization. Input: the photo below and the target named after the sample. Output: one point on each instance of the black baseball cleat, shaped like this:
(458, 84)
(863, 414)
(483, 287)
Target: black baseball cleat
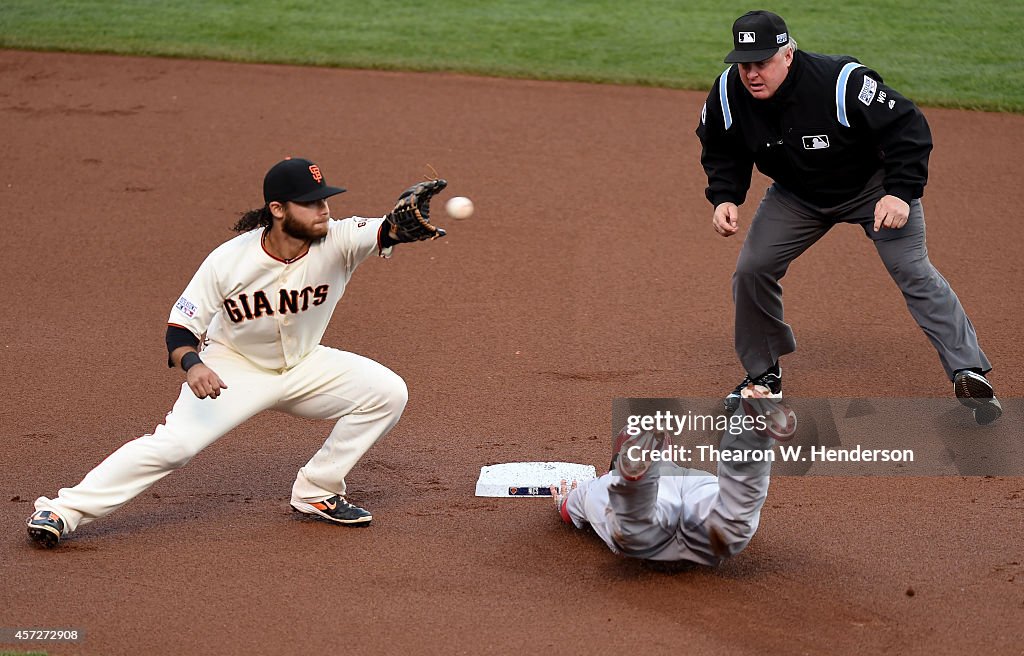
(45, 528)
(973, 390)
(335, 509)
(770, 382)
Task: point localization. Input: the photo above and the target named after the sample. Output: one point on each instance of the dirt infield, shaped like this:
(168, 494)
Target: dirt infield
(590, 271)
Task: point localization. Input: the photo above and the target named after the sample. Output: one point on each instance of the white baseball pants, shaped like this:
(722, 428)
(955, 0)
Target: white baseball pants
(365, 397)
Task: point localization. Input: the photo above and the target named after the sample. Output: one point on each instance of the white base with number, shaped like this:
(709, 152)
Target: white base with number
(529, 479)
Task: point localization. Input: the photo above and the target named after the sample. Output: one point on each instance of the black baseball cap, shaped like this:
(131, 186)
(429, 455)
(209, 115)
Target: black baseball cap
(298, 180)
(756, 36)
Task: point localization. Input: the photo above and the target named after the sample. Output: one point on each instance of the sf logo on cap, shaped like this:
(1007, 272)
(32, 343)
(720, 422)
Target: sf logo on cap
(747, 37)
(317, 175)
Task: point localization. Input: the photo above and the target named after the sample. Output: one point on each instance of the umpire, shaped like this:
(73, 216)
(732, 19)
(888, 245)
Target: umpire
(840, 147)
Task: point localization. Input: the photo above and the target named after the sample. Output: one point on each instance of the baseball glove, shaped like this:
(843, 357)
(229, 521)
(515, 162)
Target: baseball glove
(411, 216)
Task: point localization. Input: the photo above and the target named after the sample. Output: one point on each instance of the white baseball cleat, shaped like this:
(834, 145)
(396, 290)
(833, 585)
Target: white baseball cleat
(633, 458)
(779, 419)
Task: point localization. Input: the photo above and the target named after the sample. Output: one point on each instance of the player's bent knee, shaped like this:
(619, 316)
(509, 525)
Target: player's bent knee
(735, 546)
(739, 537)
(394, 393)
(633, 537)
(401, 394)
(726, 539)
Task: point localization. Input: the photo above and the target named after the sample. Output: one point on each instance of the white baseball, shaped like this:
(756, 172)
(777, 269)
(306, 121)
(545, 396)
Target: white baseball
(459, 207)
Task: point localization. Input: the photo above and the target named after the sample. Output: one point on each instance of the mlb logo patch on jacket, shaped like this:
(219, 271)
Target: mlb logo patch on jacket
(816, 142)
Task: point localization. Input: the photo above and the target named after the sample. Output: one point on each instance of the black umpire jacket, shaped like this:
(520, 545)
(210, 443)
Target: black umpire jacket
(825, 132)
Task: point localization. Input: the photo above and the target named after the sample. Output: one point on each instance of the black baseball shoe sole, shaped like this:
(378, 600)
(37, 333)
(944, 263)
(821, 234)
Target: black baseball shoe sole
(45, 528)
(974, 391)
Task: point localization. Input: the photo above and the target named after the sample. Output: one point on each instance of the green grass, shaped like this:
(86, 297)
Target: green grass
(953, 53)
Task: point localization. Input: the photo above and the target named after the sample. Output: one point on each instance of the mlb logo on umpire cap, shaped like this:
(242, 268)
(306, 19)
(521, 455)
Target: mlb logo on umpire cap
(756, 36)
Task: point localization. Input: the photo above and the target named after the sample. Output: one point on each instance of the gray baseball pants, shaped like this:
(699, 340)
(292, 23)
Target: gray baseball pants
(668, 514)
(784, 226)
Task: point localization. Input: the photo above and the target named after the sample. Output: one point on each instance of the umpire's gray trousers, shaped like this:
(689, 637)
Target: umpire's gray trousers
(785, 226)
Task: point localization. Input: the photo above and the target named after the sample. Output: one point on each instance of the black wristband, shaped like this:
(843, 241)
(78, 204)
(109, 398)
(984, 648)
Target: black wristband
(190, 360)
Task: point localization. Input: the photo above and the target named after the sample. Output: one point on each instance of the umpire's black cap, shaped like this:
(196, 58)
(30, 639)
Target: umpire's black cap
(298, 180)
(756, 36)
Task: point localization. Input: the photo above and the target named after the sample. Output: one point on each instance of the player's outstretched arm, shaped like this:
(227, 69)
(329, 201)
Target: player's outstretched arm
(203, 381)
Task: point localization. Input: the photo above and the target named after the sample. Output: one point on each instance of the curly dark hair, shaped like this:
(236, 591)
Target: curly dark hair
(258, 218)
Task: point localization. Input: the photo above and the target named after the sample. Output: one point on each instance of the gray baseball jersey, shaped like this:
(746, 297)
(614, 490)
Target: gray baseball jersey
(669, 514)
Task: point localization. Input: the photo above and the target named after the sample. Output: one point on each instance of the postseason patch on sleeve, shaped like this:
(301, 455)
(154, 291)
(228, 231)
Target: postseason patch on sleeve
(867, 91)
(186, 307)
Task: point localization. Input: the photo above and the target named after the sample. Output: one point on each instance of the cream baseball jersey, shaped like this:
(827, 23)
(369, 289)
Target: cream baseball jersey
(271, 311)
(262, 319)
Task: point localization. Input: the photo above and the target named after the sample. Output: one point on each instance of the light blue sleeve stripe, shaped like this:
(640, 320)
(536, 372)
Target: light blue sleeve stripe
(844, 77)
(723, 96)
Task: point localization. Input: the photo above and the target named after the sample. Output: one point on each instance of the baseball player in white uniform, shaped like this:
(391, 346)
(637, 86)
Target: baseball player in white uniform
(263, 301)
(661, 512)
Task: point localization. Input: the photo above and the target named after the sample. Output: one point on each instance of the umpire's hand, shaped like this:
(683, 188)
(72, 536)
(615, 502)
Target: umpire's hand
(726, 219)
(891, 212)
